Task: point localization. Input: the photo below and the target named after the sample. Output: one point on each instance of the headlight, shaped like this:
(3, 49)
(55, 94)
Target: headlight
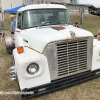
(32, 68)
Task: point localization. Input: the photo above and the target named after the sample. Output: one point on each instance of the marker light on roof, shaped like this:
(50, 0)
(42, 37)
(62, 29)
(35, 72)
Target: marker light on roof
(65, 4)
(23, 5)
(38, 2)
(46, 2)
(54, 2)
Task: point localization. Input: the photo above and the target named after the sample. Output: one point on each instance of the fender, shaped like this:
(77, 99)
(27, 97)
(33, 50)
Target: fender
(96, 55)
(21, 63)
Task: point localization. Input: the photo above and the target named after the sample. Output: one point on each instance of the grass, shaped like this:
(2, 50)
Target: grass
(90, 22)
(86, 91)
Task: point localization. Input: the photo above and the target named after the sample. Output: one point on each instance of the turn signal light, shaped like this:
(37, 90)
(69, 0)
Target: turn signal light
(23, 5)
(99, 37)
(46, 2)
(20, 49)
(38, 2)
(54, 2)
(65, 4)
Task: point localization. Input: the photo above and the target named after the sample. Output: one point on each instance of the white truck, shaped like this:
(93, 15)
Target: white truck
(50, 53)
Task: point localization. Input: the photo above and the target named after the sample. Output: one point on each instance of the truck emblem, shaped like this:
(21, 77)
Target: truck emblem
(72, 34)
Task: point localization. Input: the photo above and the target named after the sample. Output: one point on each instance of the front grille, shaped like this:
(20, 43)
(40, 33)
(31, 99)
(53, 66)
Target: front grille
(71, 57)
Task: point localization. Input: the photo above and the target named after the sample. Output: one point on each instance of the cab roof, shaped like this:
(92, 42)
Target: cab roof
(42, 6)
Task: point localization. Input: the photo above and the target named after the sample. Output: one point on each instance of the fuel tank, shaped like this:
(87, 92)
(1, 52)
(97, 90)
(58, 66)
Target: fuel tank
(9, 42)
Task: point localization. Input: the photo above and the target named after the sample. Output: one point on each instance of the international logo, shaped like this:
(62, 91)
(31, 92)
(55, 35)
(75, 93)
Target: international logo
(72, 34)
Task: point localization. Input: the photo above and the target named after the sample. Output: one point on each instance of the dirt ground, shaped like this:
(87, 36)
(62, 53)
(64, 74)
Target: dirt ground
(89, 90)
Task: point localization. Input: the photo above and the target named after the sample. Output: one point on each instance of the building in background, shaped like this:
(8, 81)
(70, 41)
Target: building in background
(8, 4)
(49, 1)
(74, 1)
(44, 1)
(72, 5)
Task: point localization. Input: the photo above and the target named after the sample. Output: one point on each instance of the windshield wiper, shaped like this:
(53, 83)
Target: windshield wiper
(45, 23)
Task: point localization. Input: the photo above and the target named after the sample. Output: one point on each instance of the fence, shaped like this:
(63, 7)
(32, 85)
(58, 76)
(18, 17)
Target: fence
(77, 12)
(73, 11)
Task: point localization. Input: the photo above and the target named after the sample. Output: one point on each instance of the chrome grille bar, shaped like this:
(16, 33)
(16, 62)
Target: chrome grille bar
(71, 57)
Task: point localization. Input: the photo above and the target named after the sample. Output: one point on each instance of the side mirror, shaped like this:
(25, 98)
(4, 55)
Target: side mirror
(95, 35)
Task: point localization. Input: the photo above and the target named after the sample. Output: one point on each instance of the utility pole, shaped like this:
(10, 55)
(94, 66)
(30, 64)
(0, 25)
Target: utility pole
(81, 17)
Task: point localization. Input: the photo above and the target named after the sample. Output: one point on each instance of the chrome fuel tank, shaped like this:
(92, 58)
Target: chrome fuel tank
(9, 42)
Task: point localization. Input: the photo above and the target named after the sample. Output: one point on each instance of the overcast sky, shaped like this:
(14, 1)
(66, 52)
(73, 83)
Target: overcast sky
(96, 3)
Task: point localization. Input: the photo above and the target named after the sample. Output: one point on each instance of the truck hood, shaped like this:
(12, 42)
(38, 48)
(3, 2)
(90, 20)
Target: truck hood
(38, 38)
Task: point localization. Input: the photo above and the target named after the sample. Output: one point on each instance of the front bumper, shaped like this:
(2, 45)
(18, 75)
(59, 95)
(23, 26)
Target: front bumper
(60, 83)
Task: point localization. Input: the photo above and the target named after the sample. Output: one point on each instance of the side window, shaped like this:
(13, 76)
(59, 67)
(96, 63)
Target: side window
(19, 20)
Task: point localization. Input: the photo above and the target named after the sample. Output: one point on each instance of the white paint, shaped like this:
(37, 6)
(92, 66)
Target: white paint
(41, 6)
(96, 55)
(23, 60)
(38, 38)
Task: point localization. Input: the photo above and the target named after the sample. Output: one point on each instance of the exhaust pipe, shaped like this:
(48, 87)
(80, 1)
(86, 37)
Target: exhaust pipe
(12, 79)
(12, 67)
(13, 73)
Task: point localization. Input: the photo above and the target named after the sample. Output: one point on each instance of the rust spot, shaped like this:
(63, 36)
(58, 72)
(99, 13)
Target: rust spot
(25, 88)
(68, 38)
(58, 28)
(76, 37)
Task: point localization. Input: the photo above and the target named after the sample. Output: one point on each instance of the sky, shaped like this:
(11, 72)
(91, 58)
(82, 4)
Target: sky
(96, 3)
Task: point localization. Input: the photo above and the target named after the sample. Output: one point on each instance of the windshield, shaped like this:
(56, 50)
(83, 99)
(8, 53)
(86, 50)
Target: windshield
(44, 17)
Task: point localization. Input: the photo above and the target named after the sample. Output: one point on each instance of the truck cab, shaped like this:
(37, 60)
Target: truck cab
(50, 53)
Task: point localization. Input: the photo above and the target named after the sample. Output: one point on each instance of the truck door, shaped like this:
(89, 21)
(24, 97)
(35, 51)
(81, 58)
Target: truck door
(19, 31)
